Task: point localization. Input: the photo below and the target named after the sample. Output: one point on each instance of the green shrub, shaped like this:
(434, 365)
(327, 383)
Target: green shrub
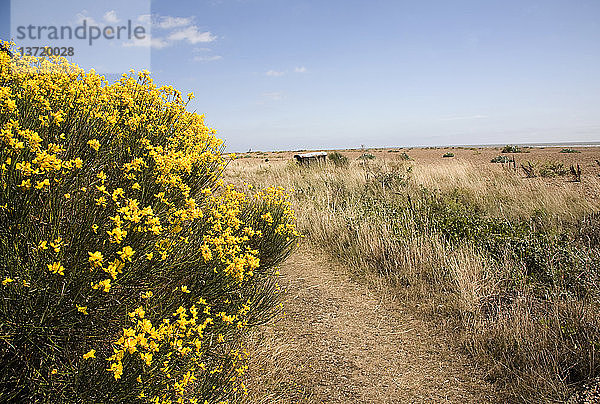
(552, 169)
(511, 149)
(570, 151)
(501, 159)
(130, 272)
(366, 156)
(338, 159)
(448, 155)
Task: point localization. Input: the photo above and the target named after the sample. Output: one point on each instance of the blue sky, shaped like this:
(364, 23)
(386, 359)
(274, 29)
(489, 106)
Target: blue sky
(274, 74)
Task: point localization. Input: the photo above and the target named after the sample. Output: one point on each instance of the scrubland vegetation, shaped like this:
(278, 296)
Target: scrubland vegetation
(130, 272)
(511, 263)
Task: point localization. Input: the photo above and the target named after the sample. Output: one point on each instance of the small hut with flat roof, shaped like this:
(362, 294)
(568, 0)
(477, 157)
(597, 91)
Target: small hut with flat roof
(307, 159)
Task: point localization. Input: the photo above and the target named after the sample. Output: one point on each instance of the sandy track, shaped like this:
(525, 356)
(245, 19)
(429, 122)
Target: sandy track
(339, 342)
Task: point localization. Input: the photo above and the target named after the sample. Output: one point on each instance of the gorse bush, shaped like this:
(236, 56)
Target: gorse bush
(130, 273)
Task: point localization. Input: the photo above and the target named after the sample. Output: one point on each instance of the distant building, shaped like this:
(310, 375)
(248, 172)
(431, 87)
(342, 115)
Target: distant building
(307, 159)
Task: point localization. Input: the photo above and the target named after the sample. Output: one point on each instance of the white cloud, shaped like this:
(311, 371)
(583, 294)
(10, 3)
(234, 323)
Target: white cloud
(274, 96)
(80, 17)
(168, 22)
(156, 43)
(274, 73)
(300, 69)
(207, 58)
(111, 17)
(145, 18)
(192, 35)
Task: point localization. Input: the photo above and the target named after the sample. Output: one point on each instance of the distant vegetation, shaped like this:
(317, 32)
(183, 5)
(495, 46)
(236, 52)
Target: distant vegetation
(570, 151)
(448, 155)
(512, 149)
(501, 159)
(366, 156)
(338, 159)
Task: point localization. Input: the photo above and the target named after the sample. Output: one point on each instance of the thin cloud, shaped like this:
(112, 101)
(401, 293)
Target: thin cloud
(111, 17)
(192, 35)
(168, 22)
(274, 73)
(273, 96)
(81, 17)
(207, 58)
(300, 69)
(147, 42)
(178, 29)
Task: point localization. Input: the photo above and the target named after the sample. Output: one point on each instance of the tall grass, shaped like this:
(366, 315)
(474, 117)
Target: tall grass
(515, 261)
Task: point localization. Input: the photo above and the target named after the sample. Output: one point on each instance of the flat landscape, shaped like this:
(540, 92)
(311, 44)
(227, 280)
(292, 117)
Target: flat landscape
(425, 277)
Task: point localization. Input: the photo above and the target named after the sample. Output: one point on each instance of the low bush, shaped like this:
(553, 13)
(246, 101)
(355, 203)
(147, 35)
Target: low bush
(511, 149)
(338, 159)
(130, 273)
(501, 159)
(448, 155)
(552, 169)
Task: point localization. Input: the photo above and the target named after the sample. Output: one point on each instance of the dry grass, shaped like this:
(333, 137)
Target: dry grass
(538, 342)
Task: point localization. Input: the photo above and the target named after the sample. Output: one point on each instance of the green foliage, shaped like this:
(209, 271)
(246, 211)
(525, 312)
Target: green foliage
(570, 151)
(366, 156)
(338, 159)
(512, 149)
(552, 169)
(501, 159)
(448, 154)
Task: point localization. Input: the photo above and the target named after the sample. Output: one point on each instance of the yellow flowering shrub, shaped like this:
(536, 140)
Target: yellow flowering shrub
(130, 271)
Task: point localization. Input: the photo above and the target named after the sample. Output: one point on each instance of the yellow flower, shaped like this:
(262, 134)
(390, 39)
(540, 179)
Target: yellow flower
(96, 258)
(94, 144)
(54, 371)
(126, 253)
(25, 283)
(117, 235)
(43, 245)
(147, 295)
(117, 193)
(67, 196)
(26, 184)
(149, 256)
(56, 244)
(7, 281)
(185, 289)
(42, 184)
(137, 312)
(82, 309)
(90, 355)
(220, 338)
(56, 268)
(105, 285)
(136, 186)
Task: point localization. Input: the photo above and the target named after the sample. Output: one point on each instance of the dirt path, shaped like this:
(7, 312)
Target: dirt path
(340, 343)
